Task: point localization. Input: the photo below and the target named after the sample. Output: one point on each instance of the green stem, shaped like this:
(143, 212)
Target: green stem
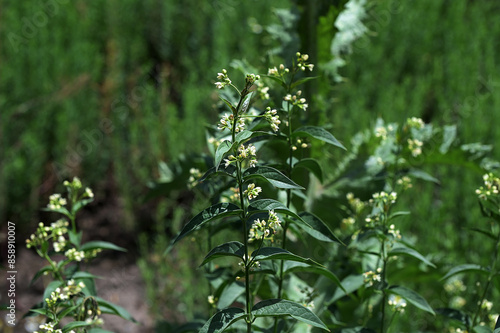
(488, 282)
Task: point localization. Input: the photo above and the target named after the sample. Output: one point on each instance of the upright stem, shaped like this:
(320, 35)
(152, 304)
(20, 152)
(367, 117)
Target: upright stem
(488, 282)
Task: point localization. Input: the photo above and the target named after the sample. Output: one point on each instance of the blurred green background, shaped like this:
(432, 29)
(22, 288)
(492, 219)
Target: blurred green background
(107, 89)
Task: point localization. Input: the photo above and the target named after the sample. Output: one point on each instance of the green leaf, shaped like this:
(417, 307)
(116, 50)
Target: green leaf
(465, 268)
(412, 297)
(291, 267)
(315, 227)
(98, 330)
(42, 311)
(230, 294)
(80, 204)
(101, 245)
(221, 151)
(412, 253)
(230, 170)
(67, 311)
(217, 211)
(281, 307)
(40, 273)
(420, 174)
(317, 133)
(270, 253)
(312, 165)
(245, 104)
(222, 320)
(75, 238)
(75, 324)
(84, 275)
(108, 307)
(350, 284)
(449, 135)
(265, 205)
(484, 232)
(302, 81)
(273, 176)
(398, 214)
(228, 103)
(481, 329)
(277, 79)
(229, 249)
(242, 136)
(53, 285)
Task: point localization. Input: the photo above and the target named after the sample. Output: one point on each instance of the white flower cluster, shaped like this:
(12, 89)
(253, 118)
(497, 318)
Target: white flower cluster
(302, 62)
(55, 231)
(415, 147)
(223, 79)
(65, 293)
(272, 117)
(397, 303)
(252, 191)
(227, 122)
(394, 232)
(194, 175)
(50, 327)
(280, 71)
(261, 229)
(301, 103)
(371, 277)
(404, 182)
(248, 153)
(56, 201)
(385, 198)
(75, 184)
(490, 188)
(415, 122)
(263, 91)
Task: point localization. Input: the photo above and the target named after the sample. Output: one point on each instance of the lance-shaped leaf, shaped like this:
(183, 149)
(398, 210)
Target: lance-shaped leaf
(351, 283)
(217, 211)
(277, 79)
(265, 205)
(242, 136)
(273, 176)
(222, 320)
(411, 297)
(315, 227)
(111, 308)
(101, 245)
(270, 253)
(221, 151)
(312, 165)
(228, 103)
(412, 253)
(230, 170)
(75, 324)
(229, 249)
(230, 294)
(281, 307)
(303, 80)
(465, 268)
(291, 267)
(481, 329)
(317, 133)
(245, 104)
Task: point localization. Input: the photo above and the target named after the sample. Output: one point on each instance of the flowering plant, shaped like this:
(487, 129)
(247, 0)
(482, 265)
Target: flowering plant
(72, 293)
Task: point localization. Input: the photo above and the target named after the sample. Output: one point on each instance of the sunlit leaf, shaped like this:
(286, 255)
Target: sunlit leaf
(465, 268)
(229, 249)
(222, 320)
(317, 133)
(412, 253)
(281, 307)
(273, 176)
(217, 211)
(221, 151)
(411, 297)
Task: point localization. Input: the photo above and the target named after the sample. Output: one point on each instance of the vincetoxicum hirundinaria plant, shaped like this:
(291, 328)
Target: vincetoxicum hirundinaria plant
(72, 293)
(480, 320)
(258, 283)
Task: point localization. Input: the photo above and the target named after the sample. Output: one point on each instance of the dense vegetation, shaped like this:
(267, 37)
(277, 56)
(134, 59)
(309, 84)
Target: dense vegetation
(121, 94)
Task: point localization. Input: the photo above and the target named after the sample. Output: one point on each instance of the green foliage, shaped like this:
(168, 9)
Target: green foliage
(72, 293)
